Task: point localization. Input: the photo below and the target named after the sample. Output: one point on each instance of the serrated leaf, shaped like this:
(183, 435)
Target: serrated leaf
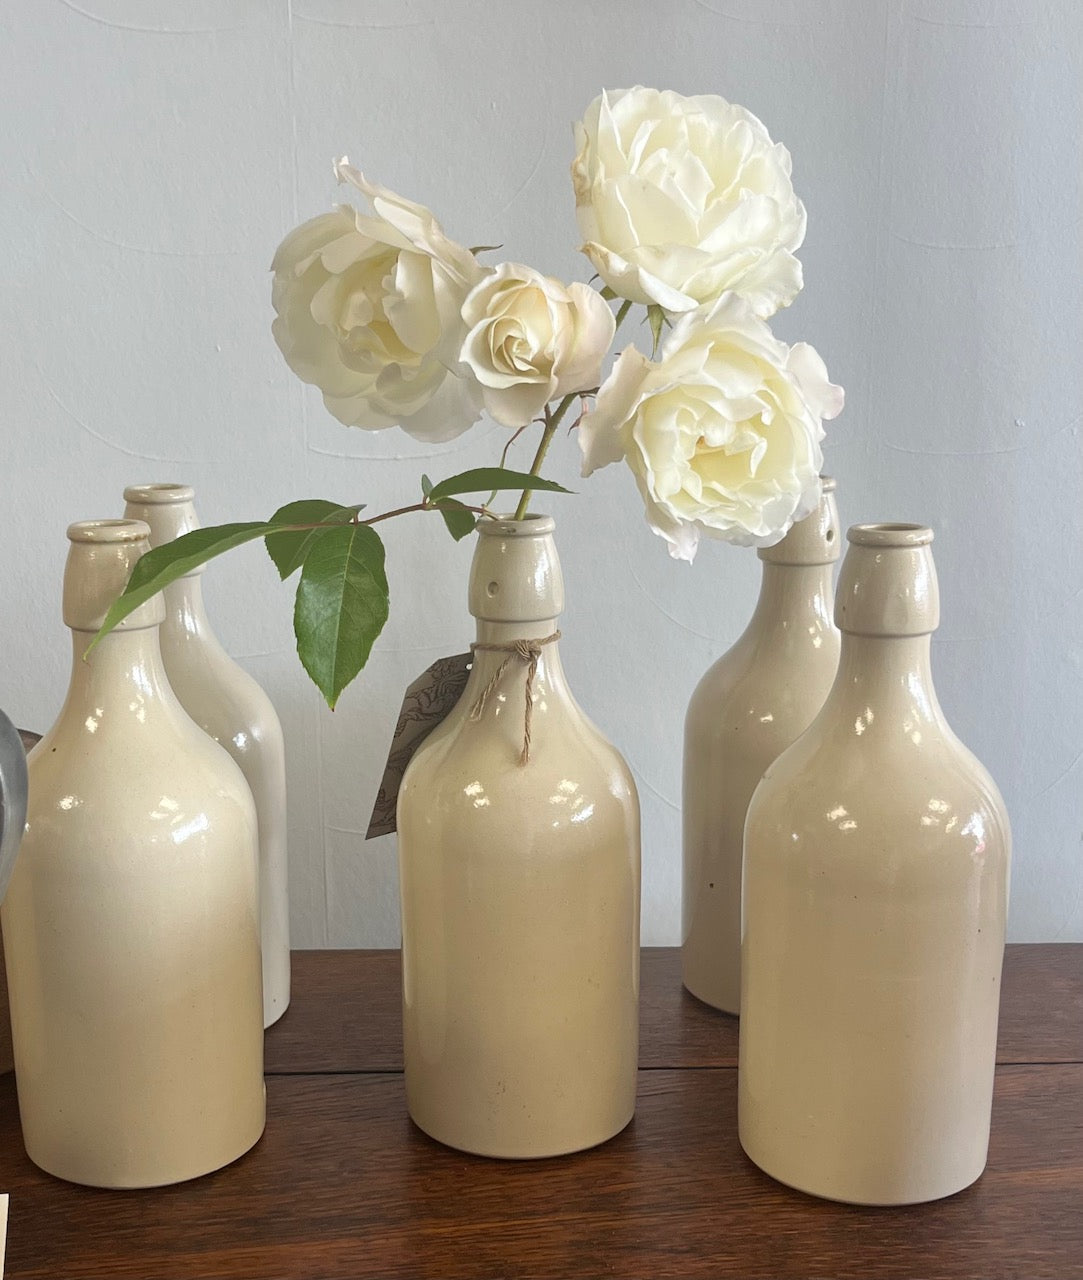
(656, 318)
(460, 520)
(341, 606)
(289, 547)
(172, 560)
(487, 479)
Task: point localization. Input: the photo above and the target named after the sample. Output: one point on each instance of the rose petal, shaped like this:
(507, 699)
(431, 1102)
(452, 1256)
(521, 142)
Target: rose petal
(690, 192)
(368, 310)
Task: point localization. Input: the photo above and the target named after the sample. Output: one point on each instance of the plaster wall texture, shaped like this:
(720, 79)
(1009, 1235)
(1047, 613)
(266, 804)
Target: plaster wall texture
(155, 153)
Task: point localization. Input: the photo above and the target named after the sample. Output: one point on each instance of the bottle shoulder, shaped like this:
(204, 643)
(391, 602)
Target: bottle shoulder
(125, 818)
(216, 691)
(757, 696)
(465, 763)
(842, 789)
(126, 754)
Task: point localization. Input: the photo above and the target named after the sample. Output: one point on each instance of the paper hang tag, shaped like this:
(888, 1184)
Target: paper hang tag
(425, 704)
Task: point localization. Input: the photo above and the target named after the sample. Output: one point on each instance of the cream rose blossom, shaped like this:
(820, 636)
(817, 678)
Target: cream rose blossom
(531, 339)
(368, 310)
(722, 432)
(680, 199)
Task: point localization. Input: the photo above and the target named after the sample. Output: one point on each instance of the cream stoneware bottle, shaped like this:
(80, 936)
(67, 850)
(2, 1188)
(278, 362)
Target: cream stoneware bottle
(224, 700)
(131, 924)
(520, 888)
(875, 895)
(756, 699)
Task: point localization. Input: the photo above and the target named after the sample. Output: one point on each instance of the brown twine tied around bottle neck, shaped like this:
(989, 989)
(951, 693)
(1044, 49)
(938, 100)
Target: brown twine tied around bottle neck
(528, 651)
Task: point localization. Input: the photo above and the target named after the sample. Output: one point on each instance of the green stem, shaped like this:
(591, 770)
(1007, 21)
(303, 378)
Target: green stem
(552, 421)
(423, 505)
(399, 511)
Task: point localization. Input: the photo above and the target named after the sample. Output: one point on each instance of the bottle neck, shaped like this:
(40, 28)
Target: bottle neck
(550, 672)
(884, 686)
(795, 601)
(185, 614)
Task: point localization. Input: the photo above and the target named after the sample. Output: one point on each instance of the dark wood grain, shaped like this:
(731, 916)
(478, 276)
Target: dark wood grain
(1041, 1004)
(345, 1014)
(343, 1186)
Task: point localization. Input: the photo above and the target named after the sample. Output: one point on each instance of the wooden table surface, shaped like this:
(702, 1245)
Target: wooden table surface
(342, 1185)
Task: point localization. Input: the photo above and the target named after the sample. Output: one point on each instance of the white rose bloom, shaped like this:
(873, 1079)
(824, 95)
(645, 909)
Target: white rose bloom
(368, 310)
(722, 432)
(680, 199)
(530, 339)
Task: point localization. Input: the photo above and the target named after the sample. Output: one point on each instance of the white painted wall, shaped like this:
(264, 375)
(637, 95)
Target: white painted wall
(154, 153)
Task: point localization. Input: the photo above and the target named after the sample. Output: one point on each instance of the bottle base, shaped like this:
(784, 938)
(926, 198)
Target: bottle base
(152, 1175)
(273, 1011)
(710, 998)
(887, 1198)
(539, 1150)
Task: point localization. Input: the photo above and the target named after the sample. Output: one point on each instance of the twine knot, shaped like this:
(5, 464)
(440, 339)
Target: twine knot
(528, 652)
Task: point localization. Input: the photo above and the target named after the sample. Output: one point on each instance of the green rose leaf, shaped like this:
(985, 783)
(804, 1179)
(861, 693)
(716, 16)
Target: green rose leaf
(460, 520)
(426, 485)
(165, 564)
(488, 479)
(289, 547)
(341, 606)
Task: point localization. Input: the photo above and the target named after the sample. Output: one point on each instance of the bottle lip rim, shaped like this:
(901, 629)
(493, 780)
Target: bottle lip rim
(533, 525)
(890, 534)
(828, 483)
(159, 494)
(109, 531)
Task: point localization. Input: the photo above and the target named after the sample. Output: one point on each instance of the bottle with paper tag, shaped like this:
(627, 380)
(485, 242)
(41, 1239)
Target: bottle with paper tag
(131, 923)
(519, 860)
(226, 702)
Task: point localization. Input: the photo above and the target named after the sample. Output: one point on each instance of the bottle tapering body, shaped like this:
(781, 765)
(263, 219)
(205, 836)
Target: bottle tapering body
(875, 896)
(748, 708)
(227, 703)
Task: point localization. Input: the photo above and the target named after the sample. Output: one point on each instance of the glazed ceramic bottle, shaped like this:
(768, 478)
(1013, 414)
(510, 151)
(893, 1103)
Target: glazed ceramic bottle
(520, 888)
(224, 700)
(875, 894)
(756, 699)
(131, 924)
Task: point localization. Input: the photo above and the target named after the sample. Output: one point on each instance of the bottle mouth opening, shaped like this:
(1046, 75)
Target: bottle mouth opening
(109, 531)
(889, 535)
(828, 483)
(533, 525)
(152, 494)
